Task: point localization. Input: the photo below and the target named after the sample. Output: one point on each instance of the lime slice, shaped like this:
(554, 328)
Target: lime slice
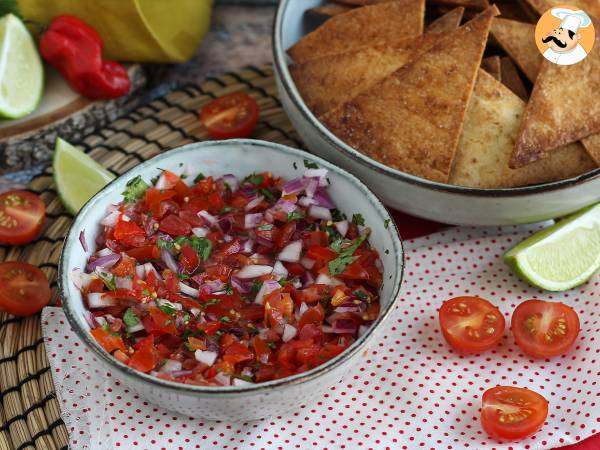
(562, 256)
(21, 70)
(77, 176)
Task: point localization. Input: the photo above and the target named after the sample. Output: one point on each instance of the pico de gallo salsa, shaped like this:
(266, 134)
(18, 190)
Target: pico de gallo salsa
(224, 281)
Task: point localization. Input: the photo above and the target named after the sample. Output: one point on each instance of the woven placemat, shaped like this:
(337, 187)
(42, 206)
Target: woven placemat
(29, 411)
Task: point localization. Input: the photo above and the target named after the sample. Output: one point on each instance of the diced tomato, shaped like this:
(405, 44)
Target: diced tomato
(145, 253)
(262, 350)
(169, 179)
(237, 353)
(252, 312)
(311, 331)
(314, 315)
(354, 271)
(203, 186)
(124, 268)
(318, 238)
(286, 234)
(191, 217)
(311, 294)
(210, 328)
(321, 254)
(146, 357)
(159, 322)
(171, 281)
(189, 259)
(125, 229)
(175, 226)
(224, 367)
(295, 268)
(96, 285)
(153, 197)
(215, 202)
(279, 308)
(182, 190)
(107, 340)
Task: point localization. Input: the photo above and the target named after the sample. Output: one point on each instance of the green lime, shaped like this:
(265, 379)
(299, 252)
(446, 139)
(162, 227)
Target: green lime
(77, 176)
(562, 256)
(21, 70)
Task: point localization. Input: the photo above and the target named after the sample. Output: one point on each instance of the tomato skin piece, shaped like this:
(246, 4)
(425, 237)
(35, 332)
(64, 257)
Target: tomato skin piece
(231, 116)
(24, 289)
(471, 325)
(536, 344)
(22, 216)
(508, 427)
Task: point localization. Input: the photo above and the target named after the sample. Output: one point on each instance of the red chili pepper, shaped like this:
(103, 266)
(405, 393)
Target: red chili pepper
(75, 49)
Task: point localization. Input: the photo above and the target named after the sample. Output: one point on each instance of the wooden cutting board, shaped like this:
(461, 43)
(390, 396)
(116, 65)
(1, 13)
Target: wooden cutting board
(62, 112)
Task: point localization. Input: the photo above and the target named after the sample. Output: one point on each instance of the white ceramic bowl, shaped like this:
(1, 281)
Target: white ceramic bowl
(240, 157)
(414, 195)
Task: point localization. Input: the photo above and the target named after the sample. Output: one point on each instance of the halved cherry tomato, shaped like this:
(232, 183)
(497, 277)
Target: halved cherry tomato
(22, 215)
(511, 413)
(471, 324)
(24, 289)
(232, 116)
(544, 329)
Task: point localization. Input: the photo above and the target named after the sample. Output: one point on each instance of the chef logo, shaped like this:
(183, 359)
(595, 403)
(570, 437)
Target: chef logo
(565, 35)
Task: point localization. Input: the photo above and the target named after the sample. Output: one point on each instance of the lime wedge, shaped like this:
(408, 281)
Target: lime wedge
(77, 176)
(21, 70)
(562, 256)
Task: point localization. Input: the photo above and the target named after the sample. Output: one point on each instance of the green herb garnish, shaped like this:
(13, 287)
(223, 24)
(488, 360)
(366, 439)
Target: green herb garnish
(130, 318)
(225, 319)
(183, 276)
(135, 189)
(310, 165)
(360, 294)
(346, 249)
(168, 309)
(268, 195)
(358, 219)
(199, 177)
(256, 285)
(337, 215)
(386, 223)
(265, 227)
(254, 179)
(295, 215)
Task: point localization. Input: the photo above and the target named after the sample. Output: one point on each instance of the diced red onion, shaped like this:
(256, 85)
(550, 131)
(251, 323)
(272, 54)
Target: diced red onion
(162, 182)
(344, 326)
(247, 246)
(252, 220)
(104, 252)
(319, 212)
(181, 373)
(188, 290)
(82, 240)
(379, 264)
(105, 262)
(247, 371)
(320, 174)
(348, 307)
(293, 186)
(324, 279)
(140, 271)
(100, 300)
(323, 199)
(264, 242)
(208, 218)
(307, 263)
(206, 357)
(289, 332)
(311, 185)
(285, 205)
(342, 227)
(200, 231)
(303, 308)
(228, 238)
(266, 288)
(306, 201)
(327, 329)
(230, 180)
(269, 216)
(225, 223)
(169, 261)
(89, 318)
(254, 202)
(164, 301)
(307, 279)
(222, 378)
(123, 282)
(148, 267)
(125, 218)
(211, 287)
(362, 330)
(279, 270)
(242, 286)
(170, 365)
(111, 219)
(240, 382)
(80, 279)
(254, 271)
(101, 320)
(291, 252)
(150, 227)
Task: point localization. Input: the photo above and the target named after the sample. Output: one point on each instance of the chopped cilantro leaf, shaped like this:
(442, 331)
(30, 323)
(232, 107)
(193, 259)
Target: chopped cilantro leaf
(346, 249)
(358, 219)
(183, 276)
(386, 224)
(186, 318)
(310, 165)
(360, 294)
(108, 279)
(254, 179)
(135, 189)
(265, 227)
(268, 195)
(202, 245)
(130, 318)
(228, 289)
(199, 177)
(295, 215)
(146, 292)
(212, 301)
(163, 243)
(272, 345)
(244, 377)
(337, 215)
(339, 264)
(256, 285)
(167, 309)
(282, 282)
(225, 319)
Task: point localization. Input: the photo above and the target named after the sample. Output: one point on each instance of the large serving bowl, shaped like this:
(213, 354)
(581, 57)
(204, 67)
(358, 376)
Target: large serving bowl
(239, 157)
(414, 195)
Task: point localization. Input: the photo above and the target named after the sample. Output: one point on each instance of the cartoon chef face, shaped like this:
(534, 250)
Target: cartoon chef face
(562, 40)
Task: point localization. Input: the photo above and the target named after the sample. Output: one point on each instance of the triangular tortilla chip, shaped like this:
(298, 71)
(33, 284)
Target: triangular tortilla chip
(361, 2)
(474, 4)
(491, 125)
(563, 108)
(516, 10)
(362, 27)
(491, 65)
(412, 119)
(511, 79)
(448, 21)
(592, 145)
(518, 40)
(329, 10)
(589, 6)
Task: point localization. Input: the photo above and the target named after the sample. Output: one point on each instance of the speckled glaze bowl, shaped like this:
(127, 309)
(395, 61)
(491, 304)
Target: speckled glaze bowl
(411, 194)
(240, 157)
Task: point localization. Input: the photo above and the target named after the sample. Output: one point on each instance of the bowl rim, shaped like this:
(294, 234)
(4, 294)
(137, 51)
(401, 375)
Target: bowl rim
(72, 242)
(283, 73)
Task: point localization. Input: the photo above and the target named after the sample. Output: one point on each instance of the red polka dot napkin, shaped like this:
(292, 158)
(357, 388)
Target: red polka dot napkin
(411, 391)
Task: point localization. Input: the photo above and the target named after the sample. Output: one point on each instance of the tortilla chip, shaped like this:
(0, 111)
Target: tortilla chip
(491, 65)
(518, 40)
(474, 4)
(592, 145)
(361, 2)
(563, 108)
(511, 79)
(412, 119)
(329, 10)
(491, 126)
(516, 10)
(448, 21)
(362, 27)
(589, 6)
